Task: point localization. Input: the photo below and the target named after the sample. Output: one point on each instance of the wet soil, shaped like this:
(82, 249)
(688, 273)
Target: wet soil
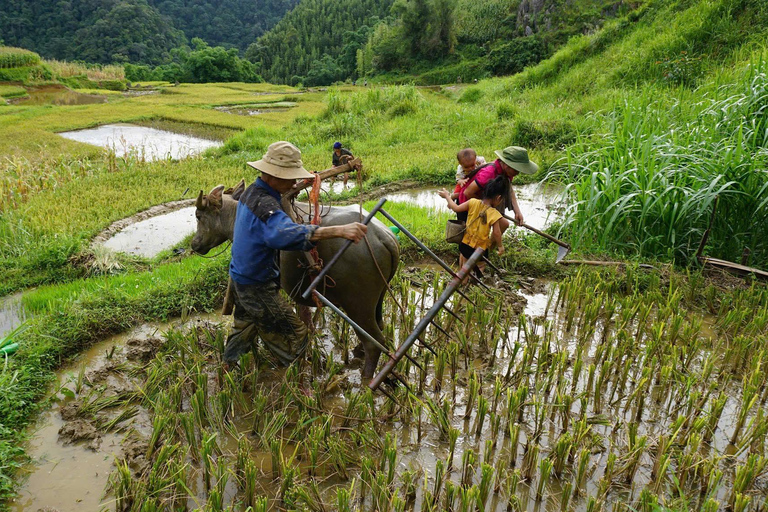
(72, 453)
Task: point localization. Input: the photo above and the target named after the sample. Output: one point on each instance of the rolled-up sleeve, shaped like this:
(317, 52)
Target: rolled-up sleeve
(283, 234)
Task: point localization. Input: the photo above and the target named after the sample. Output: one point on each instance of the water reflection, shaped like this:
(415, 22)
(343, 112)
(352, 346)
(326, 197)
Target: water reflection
(147, 143)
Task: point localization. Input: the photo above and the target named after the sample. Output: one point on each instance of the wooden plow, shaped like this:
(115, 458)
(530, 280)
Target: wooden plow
(428, 319)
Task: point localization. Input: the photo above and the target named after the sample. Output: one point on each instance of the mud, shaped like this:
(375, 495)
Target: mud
(420, 443)
(71, 453)
(142, 142)
(57, 95)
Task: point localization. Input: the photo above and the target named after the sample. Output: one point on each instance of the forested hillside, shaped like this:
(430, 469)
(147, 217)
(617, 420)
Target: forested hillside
(90, 30)
(438, 40)
(234, 23)
(317, 42)
(107, 31)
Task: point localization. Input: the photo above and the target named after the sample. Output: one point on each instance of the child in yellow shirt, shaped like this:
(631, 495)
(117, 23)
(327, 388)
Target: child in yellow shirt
(483, 228)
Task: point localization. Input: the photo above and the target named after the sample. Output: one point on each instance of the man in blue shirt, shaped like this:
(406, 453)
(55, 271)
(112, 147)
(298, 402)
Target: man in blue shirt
(262, 229)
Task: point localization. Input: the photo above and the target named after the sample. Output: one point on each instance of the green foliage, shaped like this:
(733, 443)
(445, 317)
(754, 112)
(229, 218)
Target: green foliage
(25, 74)
(102, 31)
(317, 28)
(467, 70)
(11, 57)
(229, 23)
(553, 134)
(471, 95)
(512, 57)
(204, 64)
(649, 185)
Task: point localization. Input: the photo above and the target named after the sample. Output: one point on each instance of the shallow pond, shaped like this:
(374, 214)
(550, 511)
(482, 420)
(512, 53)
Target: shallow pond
(257, 108)
(57, 95)
(539, 203)
(141, 141)
(150, 236)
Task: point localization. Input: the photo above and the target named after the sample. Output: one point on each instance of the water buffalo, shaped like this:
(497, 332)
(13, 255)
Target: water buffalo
(356, 284)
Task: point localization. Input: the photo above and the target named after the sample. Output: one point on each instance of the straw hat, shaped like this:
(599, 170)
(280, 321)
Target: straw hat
(282, 160)
(517, 158)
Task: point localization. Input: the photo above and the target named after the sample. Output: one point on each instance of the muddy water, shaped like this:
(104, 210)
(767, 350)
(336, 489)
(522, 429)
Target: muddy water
(57, 95)
(257, 108)
(149, 237)
(12, 313)
(66, 476)
(539, 203)
(141, 141)
(419, 443)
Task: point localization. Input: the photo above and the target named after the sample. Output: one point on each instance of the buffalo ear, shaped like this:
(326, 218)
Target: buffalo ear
(238, 191)
(214, 197)
(200, 204)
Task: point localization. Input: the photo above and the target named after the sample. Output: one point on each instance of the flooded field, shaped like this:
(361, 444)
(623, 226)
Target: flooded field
(150, 236)
(72, 455)
(257, 108)
(57, 95)
(12, 313)
(141, 141)
(539, 203)
(569, 396)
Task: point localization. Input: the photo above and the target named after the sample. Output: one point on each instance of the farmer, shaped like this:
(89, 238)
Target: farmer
(511, 161)
(262, 229)
(340, 156)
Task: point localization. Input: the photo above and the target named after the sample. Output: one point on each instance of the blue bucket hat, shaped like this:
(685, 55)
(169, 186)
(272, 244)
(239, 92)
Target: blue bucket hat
(337, 145)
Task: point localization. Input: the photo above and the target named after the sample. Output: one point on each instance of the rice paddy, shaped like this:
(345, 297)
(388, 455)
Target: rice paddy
(605, 392)
(618, 391)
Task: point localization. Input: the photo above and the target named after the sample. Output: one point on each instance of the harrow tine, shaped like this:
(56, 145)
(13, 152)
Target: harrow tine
(457, 317)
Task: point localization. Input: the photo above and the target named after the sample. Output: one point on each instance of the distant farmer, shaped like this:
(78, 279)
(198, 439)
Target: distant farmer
(262, 229)
(340, 156)
(512, 161)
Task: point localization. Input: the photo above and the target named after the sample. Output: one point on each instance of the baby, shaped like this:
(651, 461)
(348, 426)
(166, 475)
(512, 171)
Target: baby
(468, 162)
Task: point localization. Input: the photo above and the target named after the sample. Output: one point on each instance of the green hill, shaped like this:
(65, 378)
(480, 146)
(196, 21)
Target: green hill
(437, 40)
(107, 31)
(317, 42)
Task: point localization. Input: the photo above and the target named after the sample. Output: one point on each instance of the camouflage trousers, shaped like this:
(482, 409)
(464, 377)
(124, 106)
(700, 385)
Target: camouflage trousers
(261, 312)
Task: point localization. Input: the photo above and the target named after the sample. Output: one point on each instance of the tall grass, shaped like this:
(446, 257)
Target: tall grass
(648, 186)
(93, 72)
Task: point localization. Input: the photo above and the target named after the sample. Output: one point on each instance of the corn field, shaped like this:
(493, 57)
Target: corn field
(17, 57)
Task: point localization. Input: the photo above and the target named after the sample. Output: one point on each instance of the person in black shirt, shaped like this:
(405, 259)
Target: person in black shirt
(340, 156)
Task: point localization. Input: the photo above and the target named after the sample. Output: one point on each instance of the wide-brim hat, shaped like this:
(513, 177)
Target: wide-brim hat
(282, 160)
(517, 158)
